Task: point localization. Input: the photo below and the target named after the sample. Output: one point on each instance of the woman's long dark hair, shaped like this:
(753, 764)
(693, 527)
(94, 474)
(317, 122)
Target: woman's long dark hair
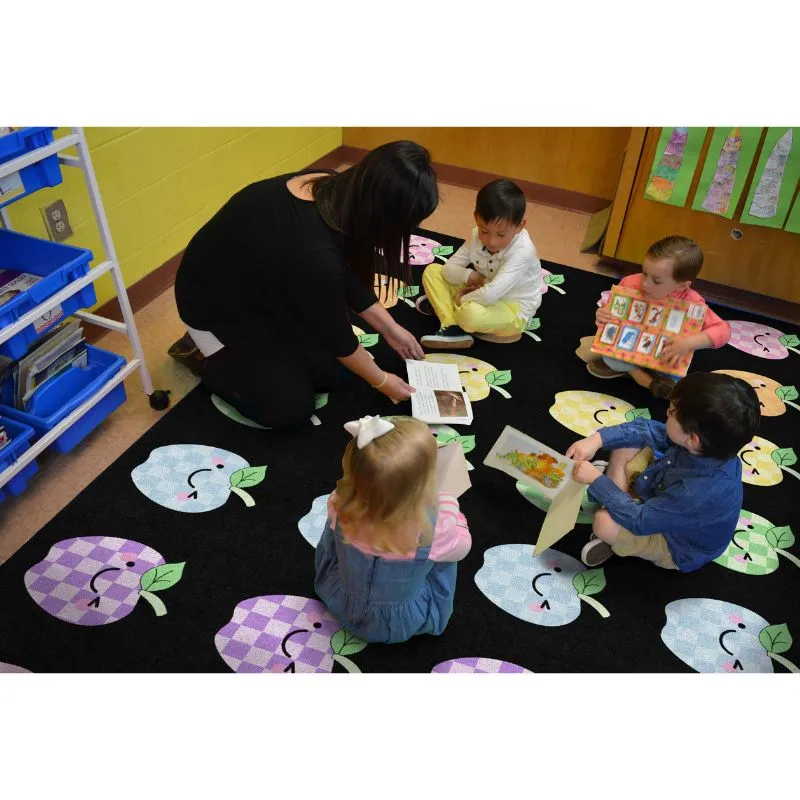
(376, 204)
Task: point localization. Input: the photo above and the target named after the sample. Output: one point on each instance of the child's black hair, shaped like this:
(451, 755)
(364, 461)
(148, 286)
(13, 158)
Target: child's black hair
(501, 200)
(721, 410)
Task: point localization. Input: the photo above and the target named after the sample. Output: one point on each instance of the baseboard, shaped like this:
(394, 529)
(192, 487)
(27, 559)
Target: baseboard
(474, 179)
(728, 296)
(139, 295)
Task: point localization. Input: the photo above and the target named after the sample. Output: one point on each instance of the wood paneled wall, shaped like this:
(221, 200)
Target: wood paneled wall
(763, 260)
(585, 160)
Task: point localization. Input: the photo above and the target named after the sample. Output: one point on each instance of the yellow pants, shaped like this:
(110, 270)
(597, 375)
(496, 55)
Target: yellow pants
(500, 319)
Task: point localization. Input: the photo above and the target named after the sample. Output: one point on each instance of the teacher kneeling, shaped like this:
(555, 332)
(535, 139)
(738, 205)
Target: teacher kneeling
(265, 285)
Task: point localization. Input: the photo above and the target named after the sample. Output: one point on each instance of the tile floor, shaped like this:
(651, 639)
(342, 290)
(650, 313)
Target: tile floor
(558, 235)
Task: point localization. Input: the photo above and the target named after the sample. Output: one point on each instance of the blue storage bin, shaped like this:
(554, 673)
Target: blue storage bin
(46, 172)
(21, 436)
(58, 265)
(62, 394)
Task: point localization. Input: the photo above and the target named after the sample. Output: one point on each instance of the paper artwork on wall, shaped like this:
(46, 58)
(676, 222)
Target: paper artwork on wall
(774, 180)
(730, 154)
(674, 164)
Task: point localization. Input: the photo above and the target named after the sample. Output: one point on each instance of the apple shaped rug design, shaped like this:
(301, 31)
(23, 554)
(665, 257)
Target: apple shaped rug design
(773, 397)
(285, 633)
(584, 412)
(762, 341)
(194, 478)
(545, 590)
(756, 545)
(97, 580)
(483, 666)
(717, 636)
(477, 377)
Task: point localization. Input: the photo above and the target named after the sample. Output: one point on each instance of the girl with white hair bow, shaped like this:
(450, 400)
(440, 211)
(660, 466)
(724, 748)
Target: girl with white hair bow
(387, 560)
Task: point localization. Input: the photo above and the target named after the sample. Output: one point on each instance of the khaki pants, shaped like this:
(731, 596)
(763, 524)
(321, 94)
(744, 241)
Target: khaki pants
(653, 547)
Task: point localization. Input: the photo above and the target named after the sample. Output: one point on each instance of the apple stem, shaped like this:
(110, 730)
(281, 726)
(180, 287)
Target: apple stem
(501, 390)
(533, 336)
(558, 289)
(443, 259)
(248, 501)
(791, 556)
(793, 405)
(793, 350)
(597, 606)
(407, 302)
(315, 420)
(155, 601)
(783, 661)
(346, 663)
(791, 472)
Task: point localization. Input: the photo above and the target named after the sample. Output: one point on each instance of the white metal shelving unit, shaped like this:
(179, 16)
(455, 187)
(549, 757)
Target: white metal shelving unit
(158, 399)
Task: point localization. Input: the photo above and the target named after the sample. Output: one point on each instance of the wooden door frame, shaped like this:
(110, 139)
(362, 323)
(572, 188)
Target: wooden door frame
(622, 195)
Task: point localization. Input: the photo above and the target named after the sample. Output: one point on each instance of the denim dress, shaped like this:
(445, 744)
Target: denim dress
(380, 599)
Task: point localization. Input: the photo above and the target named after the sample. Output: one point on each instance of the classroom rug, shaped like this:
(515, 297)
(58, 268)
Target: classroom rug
(194, 551)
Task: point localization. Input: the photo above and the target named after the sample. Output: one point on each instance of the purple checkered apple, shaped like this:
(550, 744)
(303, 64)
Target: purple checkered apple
(762, 341)
(97, 580)
(489, 666)
(285, 633)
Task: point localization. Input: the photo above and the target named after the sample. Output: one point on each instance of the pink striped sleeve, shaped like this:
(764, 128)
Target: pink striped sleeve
(451, 537)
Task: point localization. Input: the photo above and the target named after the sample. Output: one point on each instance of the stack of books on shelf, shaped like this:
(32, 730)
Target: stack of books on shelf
(63, 347)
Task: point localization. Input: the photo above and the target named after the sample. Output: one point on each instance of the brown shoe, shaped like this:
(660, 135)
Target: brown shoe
(491, 337)
(601, 370)
(584, 351)
(661, 387)
(185, 352)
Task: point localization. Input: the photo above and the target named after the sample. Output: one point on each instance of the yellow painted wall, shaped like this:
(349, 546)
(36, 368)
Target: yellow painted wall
(159, 185)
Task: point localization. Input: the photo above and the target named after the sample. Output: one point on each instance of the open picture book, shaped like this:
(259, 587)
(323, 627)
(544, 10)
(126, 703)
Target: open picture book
(439, 399)
(527, 460)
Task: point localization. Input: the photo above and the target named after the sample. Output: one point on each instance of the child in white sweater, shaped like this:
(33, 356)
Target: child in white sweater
(492, 285)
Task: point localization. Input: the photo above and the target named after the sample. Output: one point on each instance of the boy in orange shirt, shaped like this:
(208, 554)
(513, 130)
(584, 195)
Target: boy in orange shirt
(669, 267)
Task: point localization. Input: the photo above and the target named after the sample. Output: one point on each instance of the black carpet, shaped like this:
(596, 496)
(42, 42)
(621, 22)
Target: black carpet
(234, 553)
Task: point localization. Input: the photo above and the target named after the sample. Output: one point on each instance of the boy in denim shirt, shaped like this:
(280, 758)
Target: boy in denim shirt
(681, 512)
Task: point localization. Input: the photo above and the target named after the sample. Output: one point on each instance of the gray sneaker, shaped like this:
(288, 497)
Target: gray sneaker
(450, 338)
(596, 552)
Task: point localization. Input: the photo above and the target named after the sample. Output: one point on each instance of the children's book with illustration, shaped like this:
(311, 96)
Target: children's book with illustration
(439, 399)
(641, 329)
(531, 462)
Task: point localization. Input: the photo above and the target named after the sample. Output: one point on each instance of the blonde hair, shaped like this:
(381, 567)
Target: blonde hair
(383, 498)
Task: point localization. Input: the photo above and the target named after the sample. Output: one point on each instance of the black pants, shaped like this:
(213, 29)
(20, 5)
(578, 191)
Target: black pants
(271, 378)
